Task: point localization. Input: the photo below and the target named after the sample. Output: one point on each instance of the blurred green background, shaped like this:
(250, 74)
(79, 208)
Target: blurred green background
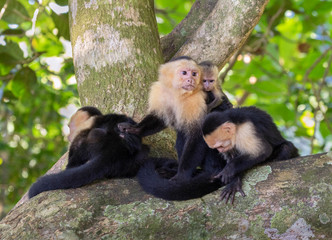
(284, 68)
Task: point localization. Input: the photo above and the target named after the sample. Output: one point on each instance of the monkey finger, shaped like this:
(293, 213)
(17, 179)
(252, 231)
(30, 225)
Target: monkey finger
(225, 195)
(218, 175)
(233, 197)
(242, 193)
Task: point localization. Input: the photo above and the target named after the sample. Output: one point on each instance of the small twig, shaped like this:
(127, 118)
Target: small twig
(232, 61)
(274, 17)
(3, 9)
(306, 75)
(241, 100)
(312, 139)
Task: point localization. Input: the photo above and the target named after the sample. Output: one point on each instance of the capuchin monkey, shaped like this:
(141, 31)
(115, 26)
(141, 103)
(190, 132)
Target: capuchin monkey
(98, 150)
(217, 100)
(245, 137)
(177, 100)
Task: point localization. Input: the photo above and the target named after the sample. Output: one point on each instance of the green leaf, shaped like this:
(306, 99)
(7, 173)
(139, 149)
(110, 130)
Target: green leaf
(62, 2)
(62, 23)
(12, 49)
(13, 32)
(268, 88)
(7, 59)
(22, 83)
(16, 13)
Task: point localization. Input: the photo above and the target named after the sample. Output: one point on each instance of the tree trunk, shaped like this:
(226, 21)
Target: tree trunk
(285, 200)
(116, 53)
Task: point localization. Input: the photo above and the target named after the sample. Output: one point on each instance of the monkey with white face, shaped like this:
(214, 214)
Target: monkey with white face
(245, 137)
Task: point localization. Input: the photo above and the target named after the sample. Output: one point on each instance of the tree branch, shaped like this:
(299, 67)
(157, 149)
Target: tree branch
(224, 31)
(172, 42)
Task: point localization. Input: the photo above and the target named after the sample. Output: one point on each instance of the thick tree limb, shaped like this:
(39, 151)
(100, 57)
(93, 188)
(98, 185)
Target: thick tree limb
(285, 200)
(172, 42)
(223, 31)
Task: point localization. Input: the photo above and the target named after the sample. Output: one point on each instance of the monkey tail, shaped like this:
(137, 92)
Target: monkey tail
(285, 151)
(152, 182)
(70, 178)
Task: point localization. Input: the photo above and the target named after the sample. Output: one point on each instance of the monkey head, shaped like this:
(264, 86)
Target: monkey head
(222, 138)
(209, 75)
(79, 121)
(218, 132)
(181, 74)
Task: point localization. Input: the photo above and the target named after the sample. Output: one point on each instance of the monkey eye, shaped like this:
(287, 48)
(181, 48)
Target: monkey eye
(211, 81)
(204, 80)
(184, 72)
(194, 74)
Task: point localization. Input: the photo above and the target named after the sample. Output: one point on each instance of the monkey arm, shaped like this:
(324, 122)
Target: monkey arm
(151, 124)
(215, 103)
(242, 163)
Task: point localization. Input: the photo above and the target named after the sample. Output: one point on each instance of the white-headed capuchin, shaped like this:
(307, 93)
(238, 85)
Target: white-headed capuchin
(217, 100)
(98, 150)
(177, 100)
(245, 137)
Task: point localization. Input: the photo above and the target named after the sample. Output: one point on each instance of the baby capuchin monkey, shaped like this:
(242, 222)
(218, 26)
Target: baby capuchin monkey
(177, 100)
(98, 150)
(216, 99)
(245, 137)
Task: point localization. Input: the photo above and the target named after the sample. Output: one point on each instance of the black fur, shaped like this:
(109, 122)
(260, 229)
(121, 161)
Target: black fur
(154, 177)
(181, 58)
(273, 145)
(224, 105)
(101, 151)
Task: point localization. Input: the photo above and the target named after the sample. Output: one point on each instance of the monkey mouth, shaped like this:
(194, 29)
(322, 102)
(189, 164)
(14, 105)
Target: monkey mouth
(189, 87)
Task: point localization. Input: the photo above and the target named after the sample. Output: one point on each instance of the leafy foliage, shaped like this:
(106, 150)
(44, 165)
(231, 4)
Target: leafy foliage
(284, 68)
(31, 92)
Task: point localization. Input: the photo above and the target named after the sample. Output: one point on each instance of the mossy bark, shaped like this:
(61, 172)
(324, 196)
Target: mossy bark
(285, 200)
(116, 53)
(213, 30)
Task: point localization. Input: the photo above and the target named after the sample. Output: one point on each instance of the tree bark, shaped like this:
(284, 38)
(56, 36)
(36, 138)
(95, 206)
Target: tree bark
(285, 200)
(213, 30)
(116, 53)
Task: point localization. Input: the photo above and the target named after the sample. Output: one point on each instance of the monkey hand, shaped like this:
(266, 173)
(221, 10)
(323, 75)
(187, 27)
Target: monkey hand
(231, 189)
(227, 174)
(126, 127)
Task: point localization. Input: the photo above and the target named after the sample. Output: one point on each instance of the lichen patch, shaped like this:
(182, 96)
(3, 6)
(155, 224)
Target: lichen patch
(73, 10)
(98, 48)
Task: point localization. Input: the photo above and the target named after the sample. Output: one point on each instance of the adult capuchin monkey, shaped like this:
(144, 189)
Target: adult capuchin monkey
(216, 100)
(177, 100)
(245, 137)
(98, 150)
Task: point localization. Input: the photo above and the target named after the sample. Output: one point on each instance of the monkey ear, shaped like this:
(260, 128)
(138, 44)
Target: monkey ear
(229, 127)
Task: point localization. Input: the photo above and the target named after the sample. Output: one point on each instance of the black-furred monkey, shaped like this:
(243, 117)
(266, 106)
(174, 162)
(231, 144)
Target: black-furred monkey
(98, 150)
(245, 137)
